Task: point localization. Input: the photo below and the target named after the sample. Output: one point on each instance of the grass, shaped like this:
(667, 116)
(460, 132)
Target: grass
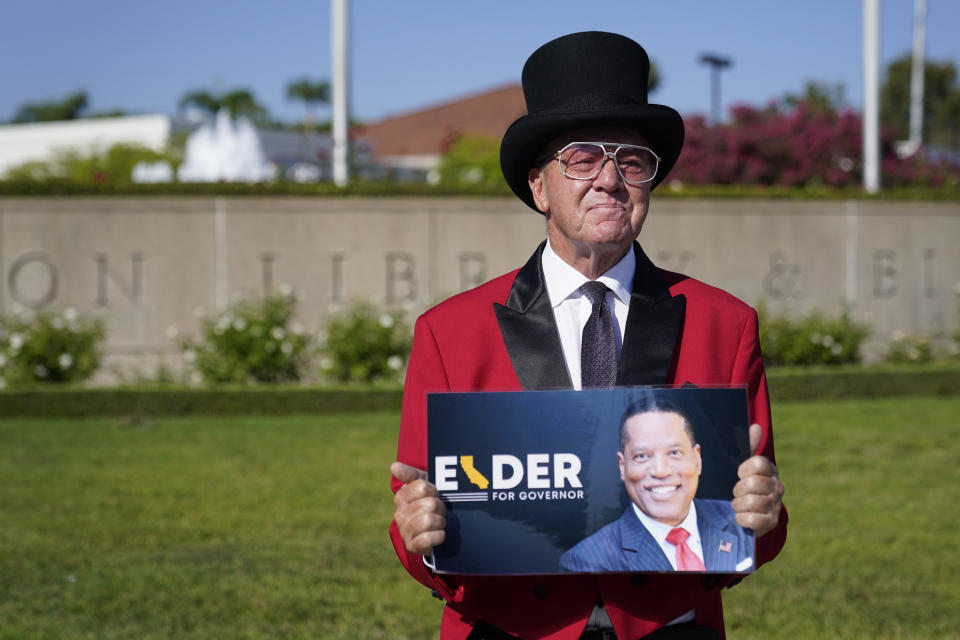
(872, 548)
(202, 528)
(275, 527)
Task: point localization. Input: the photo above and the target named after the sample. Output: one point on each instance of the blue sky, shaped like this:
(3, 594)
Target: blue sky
(143, 56)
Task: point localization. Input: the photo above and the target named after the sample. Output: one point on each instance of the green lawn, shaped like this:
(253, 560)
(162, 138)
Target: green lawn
(276, 528)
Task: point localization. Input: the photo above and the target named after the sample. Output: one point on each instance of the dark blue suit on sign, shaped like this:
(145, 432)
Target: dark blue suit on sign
(626, 545)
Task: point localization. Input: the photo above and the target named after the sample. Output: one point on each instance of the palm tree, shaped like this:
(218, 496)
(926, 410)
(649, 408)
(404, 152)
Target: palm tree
(311, 93)
(653, 81)
(67, 109)
(202, 100)
(239, 102)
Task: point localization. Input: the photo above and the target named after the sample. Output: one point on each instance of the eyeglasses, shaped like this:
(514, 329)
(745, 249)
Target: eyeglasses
(584, 160)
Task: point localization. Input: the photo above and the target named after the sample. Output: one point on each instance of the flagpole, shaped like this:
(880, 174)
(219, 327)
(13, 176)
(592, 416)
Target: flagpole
(871, 95)
(339, 24)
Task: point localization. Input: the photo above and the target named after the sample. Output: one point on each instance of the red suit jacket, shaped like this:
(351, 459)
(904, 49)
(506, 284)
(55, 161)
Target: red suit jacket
(502, 336)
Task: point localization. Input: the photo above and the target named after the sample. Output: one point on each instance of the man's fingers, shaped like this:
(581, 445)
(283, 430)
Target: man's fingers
(758, 496)
(758, 484)
(420, 514)
(760, 523)
(424, 543)
(416, 491)
(405, 473)
(421, 522)
(756, 434)
(757, 512)
(757, 465)
(768, 503)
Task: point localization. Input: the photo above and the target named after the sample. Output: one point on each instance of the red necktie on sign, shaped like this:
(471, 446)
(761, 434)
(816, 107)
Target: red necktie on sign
(687, 560)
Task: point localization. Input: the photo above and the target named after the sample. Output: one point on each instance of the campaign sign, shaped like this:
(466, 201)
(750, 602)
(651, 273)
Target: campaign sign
(543, 482)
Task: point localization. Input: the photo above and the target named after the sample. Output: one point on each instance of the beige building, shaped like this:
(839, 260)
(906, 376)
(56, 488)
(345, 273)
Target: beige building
(32, 141)
(416, 141)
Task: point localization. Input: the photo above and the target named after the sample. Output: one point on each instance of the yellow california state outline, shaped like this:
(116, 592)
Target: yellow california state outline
(477, 478)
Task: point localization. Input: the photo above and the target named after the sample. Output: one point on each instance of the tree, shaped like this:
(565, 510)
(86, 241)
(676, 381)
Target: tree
(67, 109)
(471, 160)
(941, 101)
(819, 98)
(202, 100)
(310, 93)
(793, 147)
(239, 102)
(653, 81)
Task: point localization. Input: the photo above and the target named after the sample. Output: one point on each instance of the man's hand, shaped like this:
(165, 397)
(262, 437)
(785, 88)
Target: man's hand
(420, 513)
(757, 495)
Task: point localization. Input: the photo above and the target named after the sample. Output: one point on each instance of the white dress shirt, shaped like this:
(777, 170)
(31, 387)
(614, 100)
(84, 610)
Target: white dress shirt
(571, 308)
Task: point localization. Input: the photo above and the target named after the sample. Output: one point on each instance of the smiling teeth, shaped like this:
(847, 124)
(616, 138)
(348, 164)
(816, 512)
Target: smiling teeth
(667, 489)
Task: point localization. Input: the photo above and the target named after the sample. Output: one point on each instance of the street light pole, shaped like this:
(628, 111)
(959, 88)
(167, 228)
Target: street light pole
(716, 64)
(339, 23)
(871, 95)
(916, 73)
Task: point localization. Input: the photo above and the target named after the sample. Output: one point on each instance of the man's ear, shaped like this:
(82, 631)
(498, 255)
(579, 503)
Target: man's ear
(537, 188)
(696, 452)
(623, 463)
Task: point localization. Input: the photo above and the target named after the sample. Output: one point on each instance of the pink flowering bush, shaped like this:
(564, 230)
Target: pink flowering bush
(794, 146)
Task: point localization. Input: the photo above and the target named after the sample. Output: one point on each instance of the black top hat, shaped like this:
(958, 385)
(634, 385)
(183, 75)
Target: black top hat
(583, 79)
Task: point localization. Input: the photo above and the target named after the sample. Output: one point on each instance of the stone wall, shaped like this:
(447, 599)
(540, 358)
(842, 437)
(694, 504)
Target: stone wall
(147, 264)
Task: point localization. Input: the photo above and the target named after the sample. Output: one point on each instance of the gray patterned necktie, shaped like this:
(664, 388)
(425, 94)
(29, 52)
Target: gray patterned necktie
(598, 346)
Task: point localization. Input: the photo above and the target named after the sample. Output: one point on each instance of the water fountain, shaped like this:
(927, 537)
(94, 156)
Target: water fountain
(225, 150)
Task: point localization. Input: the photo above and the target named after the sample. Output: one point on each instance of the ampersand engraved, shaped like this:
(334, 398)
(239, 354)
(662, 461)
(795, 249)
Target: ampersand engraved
(784, 279)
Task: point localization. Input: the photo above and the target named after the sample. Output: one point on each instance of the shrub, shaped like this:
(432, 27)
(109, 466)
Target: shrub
(908, 348)
(112, 167)
(472, 160)
(363, 344)
(250, 342)
(955, 347)
(47, 346)
(796, 145)
(813, 339)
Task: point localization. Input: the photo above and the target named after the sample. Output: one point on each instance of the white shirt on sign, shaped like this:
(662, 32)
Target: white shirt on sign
(660, 530)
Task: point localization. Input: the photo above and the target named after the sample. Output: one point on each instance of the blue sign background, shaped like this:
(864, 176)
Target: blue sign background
(528, 536)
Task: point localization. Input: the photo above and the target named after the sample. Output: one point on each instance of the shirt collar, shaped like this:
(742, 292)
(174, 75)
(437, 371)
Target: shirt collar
(563, 280)
(660, 530)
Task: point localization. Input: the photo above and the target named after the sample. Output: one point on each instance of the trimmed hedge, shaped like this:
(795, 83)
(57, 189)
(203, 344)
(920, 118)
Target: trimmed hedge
(785, 385)
(74, 402)
(60, 187)
(860, 382)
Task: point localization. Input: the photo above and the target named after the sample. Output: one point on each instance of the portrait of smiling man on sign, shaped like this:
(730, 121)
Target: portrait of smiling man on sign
(664, 528)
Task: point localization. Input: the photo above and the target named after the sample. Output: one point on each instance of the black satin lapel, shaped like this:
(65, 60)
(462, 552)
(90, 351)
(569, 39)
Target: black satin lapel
(652, 338)
(534, 346)
(647, 280)
(529, 331)
(654, 325)
(528, 285)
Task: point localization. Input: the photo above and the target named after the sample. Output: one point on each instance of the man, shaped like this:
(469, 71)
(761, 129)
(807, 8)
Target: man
(660, 465)
(523, 331)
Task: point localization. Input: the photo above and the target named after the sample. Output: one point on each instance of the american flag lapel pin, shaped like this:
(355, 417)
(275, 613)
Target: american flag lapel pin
(725, 546)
